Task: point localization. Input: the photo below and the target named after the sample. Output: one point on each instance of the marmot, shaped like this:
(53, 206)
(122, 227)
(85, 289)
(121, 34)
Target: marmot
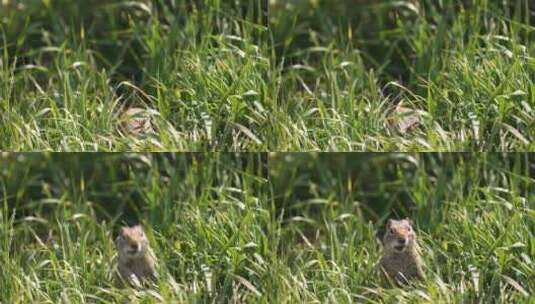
(401, 261)
(136, 263)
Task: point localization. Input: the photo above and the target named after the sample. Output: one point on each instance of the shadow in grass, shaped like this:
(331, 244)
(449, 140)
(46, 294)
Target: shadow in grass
(116, 34)
(402, 40)
(113, 186)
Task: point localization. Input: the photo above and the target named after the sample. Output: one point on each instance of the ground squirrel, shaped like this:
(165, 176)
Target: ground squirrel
(401, 261)
(136, 263)
(137, 122)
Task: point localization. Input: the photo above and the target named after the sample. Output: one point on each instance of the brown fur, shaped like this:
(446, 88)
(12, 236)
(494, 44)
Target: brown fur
(136, 263)
(401, 261)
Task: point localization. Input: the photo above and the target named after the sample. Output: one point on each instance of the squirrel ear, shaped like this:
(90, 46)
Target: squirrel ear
(388, 223)
(123, 231)
(409, 221)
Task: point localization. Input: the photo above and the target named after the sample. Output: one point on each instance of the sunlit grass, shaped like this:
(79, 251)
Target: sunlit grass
(225, 231)
(207, 218)
(69, 70)
(318, 76)
(466, 66)
(474, 216)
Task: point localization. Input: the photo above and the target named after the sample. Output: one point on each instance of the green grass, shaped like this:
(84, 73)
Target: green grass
(226, 229)
(207, 217)
(68, 69)
(474, 216)
(467, 66)
(215, 77)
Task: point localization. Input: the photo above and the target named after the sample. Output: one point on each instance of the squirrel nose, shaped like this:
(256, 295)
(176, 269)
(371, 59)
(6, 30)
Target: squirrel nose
(402, 240)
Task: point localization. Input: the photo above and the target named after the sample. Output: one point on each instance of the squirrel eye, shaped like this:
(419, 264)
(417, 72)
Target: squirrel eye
(391, 230)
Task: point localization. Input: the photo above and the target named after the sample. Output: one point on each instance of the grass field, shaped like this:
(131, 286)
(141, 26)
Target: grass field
(207, 218)
(465, 67)
(269, 76)
(474, 215)
(224, 232)
(69, 69)
(213, 75)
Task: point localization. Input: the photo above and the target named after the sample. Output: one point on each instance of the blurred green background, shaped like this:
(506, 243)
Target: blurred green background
(376, 186)
(117, 33)
(402, 40)
(117, 187)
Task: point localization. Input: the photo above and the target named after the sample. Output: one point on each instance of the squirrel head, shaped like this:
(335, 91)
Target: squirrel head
(399, 235)
(132, 242)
